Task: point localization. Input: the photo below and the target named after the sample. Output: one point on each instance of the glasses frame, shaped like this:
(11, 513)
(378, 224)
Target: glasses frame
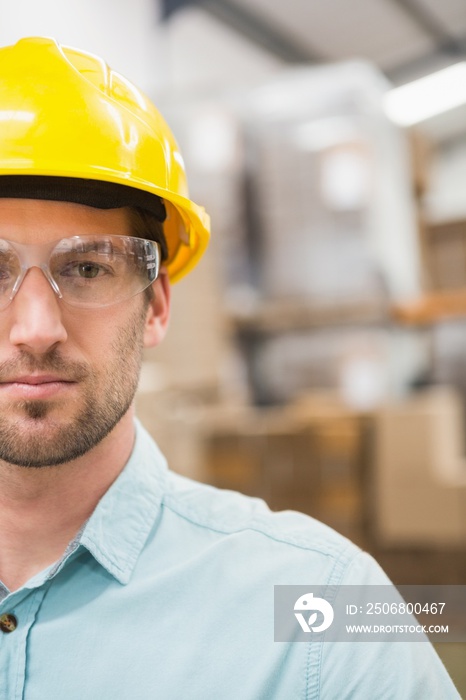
(38, 255)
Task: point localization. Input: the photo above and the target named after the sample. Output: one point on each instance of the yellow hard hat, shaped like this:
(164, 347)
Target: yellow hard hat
(65, 114)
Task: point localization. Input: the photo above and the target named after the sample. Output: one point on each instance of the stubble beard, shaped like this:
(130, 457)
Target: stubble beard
(29, 434)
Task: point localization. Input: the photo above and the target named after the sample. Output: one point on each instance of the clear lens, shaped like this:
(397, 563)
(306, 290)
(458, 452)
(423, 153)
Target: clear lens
(87, 271)
(10, 272)
(103, 270)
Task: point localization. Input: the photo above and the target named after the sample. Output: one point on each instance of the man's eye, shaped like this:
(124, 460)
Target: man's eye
(88, 270)
(7, 272)
(84, 270)
(8, 264)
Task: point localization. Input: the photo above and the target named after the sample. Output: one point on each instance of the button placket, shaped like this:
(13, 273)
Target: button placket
(16, 619)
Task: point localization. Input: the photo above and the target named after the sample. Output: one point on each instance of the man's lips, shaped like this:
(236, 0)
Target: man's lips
(36, 386)
(35, 379)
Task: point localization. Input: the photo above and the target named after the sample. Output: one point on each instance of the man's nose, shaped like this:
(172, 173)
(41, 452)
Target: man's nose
(37, 321)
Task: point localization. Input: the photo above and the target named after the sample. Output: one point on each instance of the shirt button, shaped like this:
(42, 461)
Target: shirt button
(8, 623)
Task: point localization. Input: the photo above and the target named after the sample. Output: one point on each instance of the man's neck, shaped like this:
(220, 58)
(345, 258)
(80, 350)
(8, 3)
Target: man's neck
(42, 509)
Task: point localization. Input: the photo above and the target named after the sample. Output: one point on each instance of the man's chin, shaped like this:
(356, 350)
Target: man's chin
(46, 434)
(37, 410)
(40, 442)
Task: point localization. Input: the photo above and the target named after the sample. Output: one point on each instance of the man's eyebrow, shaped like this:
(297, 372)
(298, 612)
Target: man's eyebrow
(89, 247)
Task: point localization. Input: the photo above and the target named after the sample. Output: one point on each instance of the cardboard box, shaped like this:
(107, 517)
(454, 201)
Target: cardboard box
(419, 481)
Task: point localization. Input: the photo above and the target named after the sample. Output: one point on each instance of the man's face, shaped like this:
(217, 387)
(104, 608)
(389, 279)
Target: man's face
(67, 375)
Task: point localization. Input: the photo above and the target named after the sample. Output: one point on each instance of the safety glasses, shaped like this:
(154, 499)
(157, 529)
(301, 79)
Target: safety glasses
(85, 271)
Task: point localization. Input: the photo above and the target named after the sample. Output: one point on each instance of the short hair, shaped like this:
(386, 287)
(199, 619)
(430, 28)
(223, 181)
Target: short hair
(144, 224)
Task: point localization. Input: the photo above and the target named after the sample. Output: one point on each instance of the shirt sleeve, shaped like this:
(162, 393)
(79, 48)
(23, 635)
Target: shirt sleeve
(381, 670)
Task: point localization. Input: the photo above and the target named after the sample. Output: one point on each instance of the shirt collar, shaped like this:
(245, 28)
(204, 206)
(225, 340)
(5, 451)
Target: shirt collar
(117, 530)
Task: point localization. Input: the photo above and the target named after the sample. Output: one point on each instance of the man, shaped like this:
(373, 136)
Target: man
(121, 580)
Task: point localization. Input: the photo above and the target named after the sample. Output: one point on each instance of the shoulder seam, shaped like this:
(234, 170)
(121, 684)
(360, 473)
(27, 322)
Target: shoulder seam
(329, 550)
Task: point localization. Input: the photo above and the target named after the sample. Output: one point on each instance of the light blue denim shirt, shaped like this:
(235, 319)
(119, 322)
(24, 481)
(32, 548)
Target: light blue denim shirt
(167, 594)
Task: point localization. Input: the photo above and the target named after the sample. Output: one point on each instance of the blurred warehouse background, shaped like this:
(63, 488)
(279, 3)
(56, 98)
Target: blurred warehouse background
(317, 356)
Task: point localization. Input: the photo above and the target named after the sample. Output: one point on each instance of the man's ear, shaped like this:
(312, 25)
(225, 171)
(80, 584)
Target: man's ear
(158, 311)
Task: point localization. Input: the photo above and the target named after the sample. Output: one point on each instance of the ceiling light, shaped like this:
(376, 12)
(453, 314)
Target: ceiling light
(428, 96)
